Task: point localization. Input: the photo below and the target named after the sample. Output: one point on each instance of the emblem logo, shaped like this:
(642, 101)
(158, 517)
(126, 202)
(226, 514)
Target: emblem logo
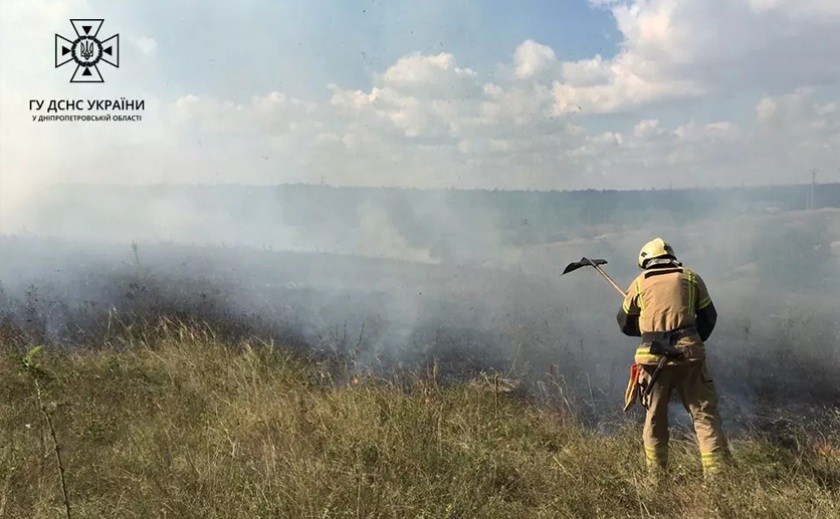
(87, 51)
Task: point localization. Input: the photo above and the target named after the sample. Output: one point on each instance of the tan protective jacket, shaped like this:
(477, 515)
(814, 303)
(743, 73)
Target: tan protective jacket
(665, 298)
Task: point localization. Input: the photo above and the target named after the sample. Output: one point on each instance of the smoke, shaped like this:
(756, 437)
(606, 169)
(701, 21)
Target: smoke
(396, 279)
(379, 238)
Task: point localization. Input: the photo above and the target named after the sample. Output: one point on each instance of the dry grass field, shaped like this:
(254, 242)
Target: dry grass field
(171, 421)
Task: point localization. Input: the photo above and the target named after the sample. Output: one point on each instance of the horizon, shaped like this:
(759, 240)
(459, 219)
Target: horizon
(434, 189)
(536, 96)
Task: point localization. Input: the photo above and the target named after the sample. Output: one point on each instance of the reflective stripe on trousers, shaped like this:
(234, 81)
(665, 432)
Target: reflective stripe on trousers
(656, 457)
(696, 390)
(712, 461)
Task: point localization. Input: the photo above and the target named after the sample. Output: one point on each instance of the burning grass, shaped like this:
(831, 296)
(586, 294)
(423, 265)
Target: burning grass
(173, 421)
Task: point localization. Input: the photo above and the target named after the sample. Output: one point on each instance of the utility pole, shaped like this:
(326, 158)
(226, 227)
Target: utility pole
(812, 198)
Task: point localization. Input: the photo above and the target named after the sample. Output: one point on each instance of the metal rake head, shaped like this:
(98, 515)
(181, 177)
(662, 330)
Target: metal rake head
(584, 262)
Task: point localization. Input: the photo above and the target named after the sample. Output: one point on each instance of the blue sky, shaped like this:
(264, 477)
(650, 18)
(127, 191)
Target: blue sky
(299, 47)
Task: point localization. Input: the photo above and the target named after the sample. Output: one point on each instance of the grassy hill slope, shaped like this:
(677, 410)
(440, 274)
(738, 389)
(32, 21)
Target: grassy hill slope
(172, 422)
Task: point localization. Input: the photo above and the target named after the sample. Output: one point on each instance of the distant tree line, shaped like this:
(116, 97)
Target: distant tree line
(450, 223)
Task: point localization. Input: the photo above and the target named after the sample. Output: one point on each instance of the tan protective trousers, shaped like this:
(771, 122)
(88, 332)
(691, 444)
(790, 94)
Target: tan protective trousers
(696, 390)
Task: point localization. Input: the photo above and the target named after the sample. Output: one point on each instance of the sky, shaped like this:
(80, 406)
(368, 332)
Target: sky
(577, 94)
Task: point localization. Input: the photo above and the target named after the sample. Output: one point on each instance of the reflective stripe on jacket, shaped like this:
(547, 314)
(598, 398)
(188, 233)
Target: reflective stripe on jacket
(665, 298)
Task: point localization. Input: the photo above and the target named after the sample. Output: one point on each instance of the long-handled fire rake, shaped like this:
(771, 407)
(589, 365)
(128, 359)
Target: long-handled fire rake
(596, 264)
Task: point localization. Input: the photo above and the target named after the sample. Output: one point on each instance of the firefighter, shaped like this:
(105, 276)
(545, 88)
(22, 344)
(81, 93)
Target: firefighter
(669, 307)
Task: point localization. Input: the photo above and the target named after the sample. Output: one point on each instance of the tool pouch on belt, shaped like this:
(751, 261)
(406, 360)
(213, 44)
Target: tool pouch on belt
(663, 343)
(659, 343)
(646, 385)
(632, 392)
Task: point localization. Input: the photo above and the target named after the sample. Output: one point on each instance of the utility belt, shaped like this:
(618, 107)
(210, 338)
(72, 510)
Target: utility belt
(658, 343)
(662, 343)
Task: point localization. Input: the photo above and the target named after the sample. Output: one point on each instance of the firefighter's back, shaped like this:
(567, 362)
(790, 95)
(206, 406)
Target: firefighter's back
(668, 298)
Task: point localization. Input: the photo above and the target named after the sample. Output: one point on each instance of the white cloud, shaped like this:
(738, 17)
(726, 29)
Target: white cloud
(765, 109)
(689, 48)
(646, 128)
(586, 73)
(817, 10)
(531, 58)
(429, 76)
(427, 120)
(826, 109)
